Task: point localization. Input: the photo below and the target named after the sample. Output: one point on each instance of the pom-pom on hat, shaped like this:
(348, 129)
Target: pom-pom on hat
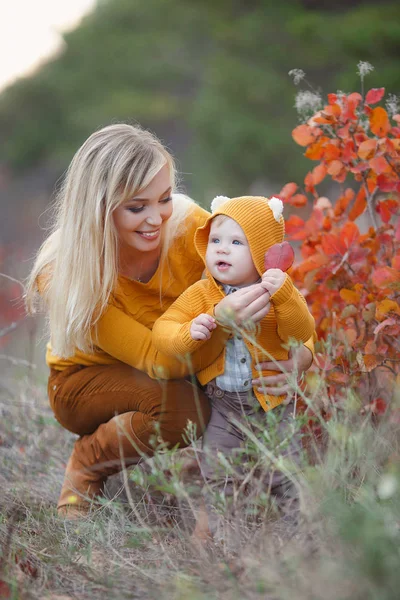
(260, 218)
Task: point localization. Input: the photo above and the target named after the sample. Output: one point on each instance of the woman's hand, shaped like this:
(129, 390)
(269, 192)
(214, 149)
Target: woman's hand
(250, 303)
(300, 359)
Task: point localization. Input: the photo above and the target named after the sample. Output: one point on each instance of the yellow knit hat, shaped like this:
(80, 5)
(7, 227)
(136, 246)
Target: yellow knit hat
(260, 218)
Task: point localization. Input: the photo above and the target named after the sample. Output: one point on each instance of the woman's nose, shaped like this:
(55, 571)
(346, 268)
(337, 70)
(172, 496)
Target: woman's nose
(154, 217)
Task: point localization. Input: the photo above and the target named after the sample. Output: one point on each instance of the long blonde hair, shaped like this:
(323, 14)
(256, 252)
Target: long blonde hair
(77, 266)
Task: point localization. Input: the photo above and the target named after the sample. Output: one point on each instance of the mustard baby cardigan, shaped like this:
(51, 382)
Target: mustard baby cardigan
(288, 318)
(123, 333)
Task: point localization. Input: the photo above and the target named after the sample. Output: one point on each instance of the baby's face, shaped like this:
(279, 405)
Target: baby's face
(228, 256)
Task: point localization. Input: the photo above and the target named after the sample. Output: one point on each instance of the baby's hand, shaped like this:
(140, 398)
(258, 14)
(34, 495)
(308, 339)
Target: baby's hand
(272, 280)
(202, 327)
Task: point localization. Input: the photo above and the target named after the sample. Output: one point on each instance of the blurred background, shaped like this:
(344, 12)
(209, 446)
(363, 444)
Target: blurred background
(209, 77)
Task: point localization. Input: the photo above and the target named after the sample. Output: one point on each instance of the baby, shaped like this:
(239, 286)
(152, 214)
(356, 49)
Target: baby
(232, 244)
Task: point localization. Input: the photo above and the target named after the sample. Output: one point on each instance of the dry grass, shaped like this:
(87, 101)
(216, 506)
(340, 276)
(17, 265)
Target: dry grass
(346, 546)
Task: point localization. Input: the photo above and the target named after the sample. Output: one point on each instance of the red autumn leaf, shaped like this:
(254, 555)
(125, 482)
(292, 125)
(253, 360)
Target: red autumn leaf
(386, 184)
(386, 208)
(303, 135)
(380, 165)
(375, 95)
(332, 98)
(376, 407)
(295, 227)
(287, 191)
(5, 590)
(383, 276)
(327, 224)
(384, 212)
(379, 122)
(359, 205)
(298, 200)
(279, 256)
(332, 245)
(367, 149)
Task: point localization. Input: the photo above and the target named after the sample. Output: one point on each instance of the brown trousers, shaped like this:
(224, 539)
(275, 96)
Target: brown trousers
(82, 398)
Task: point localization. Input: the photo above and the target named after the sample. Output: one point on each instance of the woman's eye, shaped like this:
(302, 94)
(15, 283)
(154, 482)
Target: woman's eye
(166, 200)
(135, 209)
(237, 242)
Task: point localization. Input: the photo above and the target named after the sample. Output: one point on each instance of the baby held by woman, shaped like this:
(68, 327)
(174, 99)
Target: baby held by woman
(233, 243)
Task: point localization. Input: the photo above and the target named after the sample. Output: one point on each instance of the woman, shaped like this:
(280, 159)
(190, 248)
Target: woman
(120, 253)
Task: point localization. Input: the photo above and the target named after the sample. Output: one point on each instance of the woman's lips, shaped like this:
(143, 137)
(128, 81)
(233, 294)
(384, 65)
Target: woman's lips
(149, 235)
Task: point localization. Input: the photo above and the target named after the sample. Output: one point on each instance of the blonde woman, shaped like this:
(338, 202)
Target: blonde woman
(120, 253)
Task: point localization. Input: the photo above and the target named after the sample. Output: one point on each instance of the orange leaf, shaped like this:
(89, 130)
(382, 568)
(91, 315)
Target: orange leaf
(298, 200)
(379, 122)
(349, 296)
(380, 165)
(370, 361)
(359, 205)
(396, 262)
(343, 202)
(385, 307)
(319, 173)
(332, 152)
(367, 149)
(375, 95)
(302, 135)
(288, 190)
(349, 234)
(316, 150)
(335, 167)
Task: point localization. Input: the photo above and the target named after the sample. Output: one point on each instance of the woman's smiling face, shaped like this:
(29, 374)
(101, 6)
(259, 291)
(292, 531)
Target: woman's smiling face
(140, 220)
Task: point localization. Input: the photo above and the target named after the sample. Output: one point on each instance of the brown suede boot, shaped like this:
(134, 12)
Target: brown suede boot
(93, 459)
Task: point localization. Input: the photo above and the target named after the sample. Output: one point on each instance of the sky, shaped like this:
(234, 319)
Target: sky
(30, 32)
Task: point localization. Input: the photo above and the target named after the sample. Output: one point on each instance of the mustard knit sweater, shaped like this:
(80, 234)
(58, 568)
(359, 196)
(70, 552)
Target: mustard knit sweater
(288, 318)
(124, 330)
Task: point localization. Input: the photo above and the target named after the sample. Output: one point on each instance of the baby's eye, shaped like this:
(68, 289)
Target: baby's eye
(215, 240)
(237, 242)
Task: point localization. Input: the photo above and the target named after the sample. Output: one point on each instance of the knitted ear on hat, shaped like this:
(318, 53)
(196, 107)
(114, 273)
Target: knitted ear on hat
(276, 205)
(217, 202)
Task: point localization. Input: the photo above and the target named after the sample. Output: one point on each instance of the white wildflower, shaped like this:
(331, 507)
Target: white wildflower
(297, 74)
(392, 105)
(307, 103)
(364, 68)
(387, 486)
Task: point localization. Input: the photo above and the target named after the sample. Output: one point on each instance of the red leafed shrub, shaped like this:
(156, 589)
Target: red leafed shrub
(351, 278)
